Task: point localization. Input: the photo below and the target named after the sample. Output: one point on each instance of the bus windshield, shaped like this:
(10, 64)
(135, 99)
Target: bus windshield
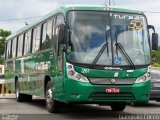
(94, 37)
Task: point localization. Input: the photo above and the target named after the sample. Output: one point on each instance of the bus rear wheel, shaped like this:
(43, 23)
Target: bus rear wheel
(22, 97)
(120, 106)
(27, 98)
(52, 105)
(19, 96)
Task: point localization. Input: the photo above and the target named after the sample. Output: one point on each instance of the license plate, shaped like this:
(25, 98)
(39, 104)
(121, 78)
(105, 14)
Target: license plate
(112, 90)
(156, 84)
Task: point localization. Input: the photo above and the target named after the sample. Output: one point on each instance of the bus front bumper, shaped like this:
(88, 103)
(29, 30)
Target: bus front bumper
(87, 93)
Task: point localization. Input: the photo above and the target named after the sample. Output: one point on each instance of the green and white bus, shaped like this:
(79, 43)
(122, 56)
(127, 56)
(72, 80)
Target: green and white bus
(91, 54)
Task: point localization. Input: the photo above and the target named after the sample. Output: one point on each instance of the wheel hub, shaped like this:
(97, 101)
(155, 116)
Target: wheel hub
(49, 96)
(17, 92)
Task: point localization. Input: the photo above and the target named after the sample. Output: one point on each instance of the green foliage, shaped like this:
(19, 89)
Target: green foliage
(1, 60)
(3, 35)
(156, 58)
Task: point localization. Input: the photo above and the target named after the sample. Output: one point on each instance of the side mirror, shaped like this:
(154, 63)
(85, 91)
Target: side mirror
(151, 27)
(154, 38)
(62, 34)
(154, 41)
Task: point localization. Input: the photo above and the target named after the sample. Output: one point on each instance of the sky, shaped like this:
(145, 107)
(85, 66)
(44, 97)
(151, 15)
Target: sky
(14, 9)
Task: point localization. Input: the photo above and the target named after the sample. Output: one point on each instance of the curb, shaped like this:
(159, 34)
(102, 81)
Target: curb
(7, 96)
(4, 88)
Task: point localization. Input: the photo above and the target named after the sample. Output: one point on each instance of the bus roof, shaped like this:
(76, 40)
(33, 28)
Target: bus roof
(64, 9)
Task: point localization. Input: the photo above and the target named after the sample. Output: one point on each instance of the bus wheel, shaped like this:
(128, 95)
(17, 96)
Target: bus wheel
(158, 100)
(52, 105)
(120, 106)
(27, 98)
(135, 104)
(19, 97)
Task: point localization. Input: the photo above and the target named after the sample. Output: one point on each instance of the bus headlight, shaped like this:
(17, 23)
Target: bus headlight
(72, 74)
(143, 78)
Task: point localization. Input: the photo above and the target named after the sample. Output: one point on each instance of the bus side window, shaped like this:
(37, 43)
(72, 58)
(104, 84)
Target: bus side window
(14, 45)
(53, 33)
(29, 36)
(44, 32)
(25, 43)
(49, 34)
(59, 21)
(34, 40)
(8, 49)
(38, 37)
(20, 45)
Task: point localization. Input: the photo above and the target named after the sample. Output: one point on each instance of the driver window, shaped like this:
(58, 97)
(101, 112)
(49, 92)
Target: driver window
(59, 21)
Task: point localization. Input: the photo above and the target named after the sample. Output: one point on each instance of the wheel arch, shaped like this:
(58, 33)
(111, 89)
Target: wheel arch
(46, 79)
(16, 79)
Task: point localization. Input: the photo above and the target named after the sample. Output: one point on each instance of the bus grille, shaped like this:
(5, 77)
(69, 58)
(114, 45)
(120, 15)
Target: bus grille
(108, 81)
(106, 96)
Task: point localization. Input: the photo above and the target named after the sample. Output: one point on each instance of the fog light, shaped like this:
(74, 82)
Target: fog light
(145, 95)
(69, 67)
(78, 76)
(148, 74)
(71, 73)
(75, 95)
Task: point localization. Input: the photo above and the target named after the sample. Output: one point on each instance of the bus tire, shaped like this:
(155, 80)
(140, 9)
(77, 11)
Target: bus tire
(120, 106)
(19, 97)
(135, 104)
(27, 98)
(52, 105)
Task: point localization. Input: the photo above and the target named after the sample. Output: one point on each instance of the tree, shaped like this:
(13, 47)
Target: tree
(156, 58)
(3, 35)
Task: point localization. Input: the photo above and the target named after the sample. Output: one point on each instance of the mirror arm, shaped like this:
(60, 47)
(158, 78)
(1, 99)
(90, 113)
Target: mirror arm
(151, 27)
(64, 49)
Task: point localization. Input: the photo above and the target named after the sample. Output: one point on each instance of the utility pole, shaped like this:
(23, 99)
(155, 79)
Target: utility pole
(109, 2)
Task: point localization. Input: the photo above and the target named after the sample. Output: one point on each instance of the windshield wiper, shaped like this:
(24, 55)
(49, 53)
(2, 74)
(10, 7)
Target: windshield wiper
(123, 52)
(99, 54)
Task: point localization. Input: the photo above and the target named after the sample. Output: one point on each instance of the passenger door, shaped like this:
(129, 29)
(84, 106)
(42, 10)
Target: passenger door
(59, 82)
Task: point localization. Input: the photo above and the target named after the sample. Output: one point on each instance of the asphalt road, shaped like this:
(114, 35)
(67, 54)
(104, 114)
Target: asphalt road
(35, 110)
